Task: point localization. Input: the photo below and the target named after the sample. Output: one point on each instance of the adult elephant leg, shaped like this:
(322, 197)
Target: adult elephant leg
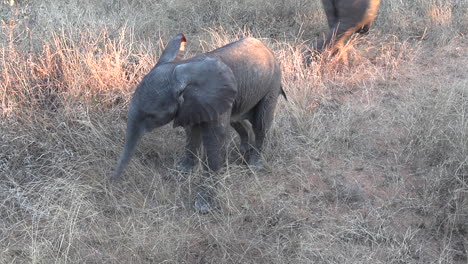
(337, 37)
(325, 42)
(192, 147)
(246, 136)
(261, 123)
(214, 142)
(364, 30)
(330, 12)
(368, 16)
(332, 19)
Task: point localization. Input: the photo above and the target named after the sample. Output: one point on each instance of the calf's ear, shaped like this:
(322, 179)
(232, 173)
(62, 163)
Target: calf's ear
(174, 49)
(208, 89)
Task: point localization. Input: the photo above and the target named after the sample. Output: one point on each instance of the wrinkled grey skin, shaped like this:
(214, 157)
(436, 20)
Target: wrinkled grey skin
(233, 85)
(346, 17)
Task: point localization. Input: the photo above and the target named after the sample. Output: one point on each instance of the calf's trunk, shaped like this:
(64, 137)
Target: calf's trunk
(134, 132)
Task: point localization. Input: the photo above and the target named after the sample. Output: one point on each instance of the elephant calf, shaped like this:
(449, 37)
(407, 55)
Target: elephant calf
(346, 17)
(206, 94)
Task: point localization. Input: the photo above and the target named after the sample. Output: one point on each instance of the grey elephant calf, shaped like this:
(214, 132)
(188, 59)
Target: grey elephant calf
(206, 94)
(346, 17)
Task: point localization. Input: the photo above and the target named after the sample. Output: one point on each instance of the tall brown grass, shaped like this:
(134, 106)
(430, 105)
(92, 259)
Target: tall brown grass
(368, 160)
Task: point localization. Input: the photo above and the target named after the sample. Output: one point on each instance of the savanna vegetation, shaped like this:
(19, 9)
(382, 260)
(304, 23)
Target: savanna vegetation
(368, 161)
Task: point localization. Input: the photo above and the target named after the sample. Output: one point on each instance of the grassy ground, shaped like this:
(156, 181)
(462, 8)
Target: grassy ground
(369, 160)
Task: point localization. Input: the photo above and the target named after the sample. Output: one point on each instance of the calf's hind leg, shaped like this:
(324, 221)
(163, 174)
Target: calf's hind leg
(261, 123)
(246, 135)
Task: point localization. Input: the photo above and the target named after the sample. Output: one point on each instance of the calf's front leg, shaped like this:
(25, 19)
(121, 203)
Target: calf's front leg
(192, 147)
(214, 142)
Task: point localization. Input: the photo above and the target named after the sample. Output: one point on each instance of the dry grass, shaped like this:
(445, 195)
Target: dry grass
(369, 160)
